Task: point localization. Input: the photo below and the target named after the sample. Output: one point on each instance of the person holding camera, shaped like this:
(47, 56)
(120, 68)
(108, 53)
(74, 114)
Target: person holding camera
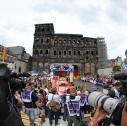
(8, 115)
(124, 116)
(100, 114)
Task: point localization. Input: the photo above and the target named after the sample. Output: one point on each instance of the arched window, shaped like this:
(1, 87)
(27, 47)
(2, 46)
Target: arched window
(47, 40)
(95, 42)
(79, 53)
(41, 51)
(92, 52)
(59, 52)
(36, 52)
(43, 29)
(37, 40)
(74, 52)
(46, 52)
(65, 52)
(87, 52)
(55, 52)
(69, 52)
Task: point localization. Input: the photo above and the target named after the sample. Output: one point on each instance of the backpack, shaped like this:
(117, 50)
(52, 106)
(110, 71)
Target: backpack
(53, 105)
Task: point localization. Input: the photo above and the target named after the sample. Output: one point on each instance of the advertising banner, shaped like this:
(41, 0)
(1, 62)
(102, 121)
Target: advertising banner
(64, 67)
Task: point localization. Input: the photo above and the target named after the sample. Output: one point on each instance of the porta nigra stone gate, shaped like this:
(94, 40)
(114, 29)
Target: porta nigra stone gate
(85, 53)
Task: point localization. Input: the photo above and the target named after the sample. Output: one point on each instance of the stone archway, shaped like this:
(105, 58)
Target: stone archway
(93, 68)
(87, 68)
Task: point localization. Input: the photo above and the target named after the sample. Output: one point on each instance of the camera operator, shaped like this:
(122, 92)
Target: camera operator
(124, 116)
(8, 116)
(100, 114)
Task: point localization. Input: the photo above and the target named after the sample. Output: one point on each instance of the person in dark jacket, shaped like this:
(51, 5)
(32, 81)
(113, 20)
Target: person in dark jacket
(8, 116)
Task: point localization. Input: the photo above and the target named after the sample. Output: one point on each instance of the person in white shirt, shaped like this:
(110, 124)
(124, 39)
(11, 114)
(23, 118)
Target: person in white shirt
(53, 96)
(73, 105)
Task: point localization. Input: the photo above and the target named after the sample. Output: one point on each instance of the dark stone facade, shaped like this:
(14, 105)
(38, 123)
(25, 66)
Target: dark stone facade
(51, 48)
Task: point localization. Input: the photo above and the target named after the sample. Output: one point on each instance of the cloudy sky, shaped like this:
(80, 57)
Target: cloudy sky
(92, 18)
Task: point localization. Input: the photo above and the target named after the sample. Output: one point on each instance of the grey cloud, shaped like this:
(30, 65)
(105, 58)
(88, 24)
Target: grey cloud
(90, 15)
(49, 6)
(117, 11)
(87, 13)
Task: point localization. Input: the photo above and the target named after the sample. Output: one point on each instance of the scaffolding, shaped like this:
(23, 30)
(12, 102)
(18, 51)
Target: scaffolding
(102, 53)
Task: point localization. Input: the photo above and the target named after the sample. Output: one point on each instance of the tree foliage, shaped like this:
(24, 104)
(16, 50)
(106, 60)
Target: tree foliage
(116, 68)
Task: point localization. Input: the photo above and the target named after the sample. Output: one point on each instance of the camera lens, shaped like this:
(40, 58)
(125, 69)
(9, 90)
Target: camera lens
(100, 99)
(110, 104)
(94, 97)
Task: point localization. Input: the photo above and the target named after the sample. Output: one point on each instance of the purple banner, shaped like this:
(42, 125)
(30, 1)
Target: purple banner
(26, 94)
(83, 100)
(74, 107)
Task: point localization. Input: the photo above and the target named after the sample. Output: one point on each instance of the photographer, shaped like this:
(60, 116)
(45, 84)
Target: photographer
(124, 116)
(100, 114)
(8, 116)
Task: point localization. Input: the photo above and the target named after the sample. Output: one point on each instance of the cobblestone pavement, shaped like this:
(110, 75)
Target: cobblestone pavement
(61, 123)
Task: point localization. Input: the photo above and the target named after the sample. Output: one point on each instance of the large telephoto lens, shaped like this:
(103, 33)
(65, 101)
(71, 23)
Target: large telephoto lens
(99, 99)
(110, 105)
(94, 97)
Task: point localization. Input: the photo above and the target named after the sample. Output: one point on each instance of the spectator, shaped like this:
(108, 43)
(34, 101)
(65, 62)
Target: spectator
(74, 112)
(31, 103)
(53, 96)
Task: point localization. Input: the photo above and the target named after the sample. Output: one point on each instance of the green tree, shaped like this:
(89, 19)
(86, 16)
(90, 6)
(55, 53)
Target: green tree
(116, 68)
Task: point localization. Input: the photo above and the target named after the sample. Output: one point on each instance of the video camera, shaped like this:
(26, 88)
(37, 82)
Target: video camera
(13, 80)
(8, 115)
(112, 106)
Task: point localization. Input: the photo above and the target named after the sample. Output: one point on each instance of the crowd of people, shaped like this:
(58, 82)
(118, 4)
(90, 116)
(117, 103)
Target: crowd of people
(99, 79)
(39, 99)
